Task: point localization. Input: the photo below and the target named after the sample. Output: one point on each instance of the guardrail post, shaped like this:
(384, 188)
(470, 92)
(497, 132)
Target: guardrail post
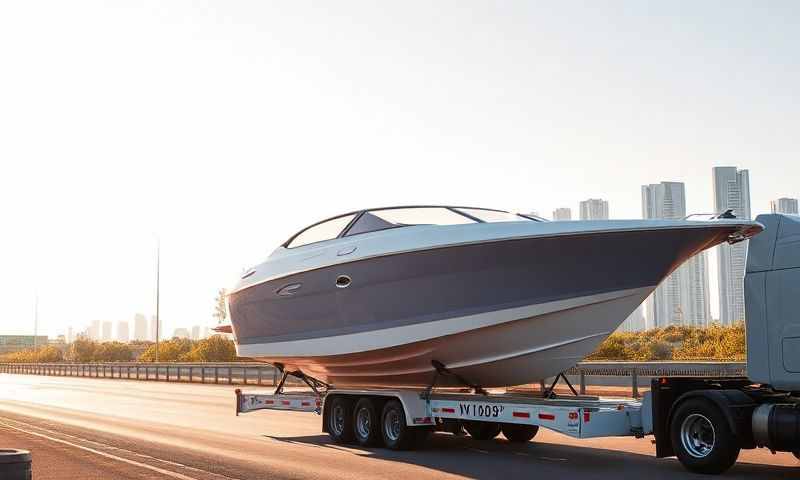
(179, 372)
(157, 371)
(216, 374)
(203, 374)
(634, 383)
(230, 375)
(168, 373)
(259, 374)
(583, 382)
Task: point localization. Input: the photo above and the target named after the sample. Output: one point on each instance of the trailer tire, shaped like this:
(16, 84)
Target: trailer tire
(482, 430)
(340, 420)
(397, 435)
(517, 433)
(367, 423)
(702, 438)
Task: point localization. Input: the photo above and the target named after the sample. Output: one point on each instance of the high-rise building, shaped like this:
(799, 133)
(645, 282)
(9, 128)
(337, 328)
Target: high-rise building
(732, 192)
(94, 330)
(562, 214)
(181, 333)
(123, 331)
(594, 209)
(140, 327)
(635, 321)
(70, 336)
(196, 332)
(683, 297)
(106, 337)
(784, 205)
(153, 333)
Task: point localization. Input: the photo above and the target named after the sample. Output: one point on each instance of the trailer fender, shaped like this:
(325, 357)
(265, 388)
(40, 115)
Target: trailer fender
(735, 405)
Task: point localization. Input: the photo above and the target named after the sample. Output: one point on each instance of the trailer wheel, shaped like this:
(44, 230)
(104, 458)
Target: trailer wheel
(482, 430)
(340, 420)
(519, 433)
(702, 438)
(367, 423)
(397, 435)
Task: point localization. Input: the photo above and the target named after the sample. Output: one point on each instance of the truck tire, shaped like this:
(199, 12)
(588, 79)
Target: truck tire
(482, 430)
(367, 423)
(340, 420)
(702, 438)
(397, 435)
(519, 433)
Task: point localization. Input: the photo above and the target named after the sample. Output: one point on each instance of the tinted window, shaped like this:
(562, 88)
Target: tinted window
(491, 216)
(323, 231)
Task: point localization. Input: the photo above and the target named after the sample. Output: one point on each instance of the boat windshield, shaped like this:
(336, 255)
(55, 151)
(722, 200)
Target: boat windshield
(395, 217)
(381, 219)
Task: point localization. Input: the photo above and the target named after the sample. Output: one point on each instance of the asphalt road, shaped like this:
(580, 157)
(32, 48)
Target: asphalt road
(97, 428)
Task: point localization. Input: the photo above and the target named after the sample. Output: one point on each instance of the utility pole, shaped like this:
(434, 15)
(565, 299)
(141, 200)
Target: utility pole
(158, 291)
(35, 324)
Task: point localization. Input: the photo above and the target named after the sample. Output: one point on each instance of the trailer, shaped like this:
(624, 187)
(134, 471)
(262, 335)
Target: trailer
(704, 421)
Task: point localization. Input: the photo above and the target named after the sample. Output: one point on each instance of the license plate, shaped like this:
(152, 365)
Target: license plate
(480, 410)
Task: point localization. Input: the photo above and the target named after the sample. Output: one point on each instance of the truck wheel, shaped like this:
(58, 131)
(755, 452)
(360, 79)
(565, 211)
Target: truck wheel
(702, 438)
(482, 430)
(340, 420)
(366, 423)
(519, 433)
(397, 435)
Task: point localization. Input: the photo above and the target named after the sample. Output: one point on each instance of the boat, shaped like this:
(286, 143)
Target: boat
(414, 295)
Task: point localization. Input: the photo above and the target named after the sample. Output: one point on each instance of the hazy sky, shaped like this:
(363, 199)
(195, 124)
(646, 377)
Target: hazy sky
(224, 127)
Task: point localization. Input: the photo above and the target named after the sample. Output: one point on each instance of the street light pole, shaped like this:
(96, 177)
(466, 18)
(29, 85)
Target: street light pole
(158, 291)
(35, 324)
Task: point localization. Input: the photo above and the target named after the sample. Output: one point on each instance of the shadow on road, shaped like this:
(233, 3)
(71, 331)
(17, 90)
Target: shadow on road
(485, 459)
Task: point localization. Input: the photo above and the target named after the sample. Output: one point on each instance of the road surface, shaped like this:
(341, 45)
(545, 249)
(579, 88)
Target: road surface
(98, 428)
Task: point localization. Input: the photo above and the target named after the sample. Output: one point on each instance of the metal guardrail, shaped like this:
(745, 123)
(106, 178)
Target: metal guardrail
(637, 370)
(236, 373)
(243, 373)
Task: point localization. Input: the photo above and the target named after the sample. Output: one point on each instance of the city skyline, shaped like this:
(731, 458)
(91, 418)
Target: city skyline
(690, 282)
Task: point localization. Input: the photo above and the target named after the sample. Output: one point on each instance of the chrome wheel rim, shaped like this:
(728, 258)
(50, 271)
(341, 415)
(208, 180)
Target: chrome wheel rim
(697, 435)
(337, 420)
(391, 425)
(363, 423)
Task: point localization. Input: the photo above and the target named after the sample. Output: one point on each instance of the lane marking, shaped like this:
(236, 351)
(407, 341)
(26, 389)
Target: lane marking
(162, 471)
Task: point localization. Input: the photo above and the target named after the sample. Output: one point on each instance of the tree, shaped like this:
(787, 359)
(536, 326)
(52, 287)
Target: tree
(82, 351)
(169, 351)
(113, 352)
(216, 348)
(220, 309)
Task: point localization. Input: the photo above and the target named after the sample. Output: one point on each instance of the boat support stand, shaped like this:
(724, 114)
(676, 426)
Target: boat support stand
(550, 392)
(441, 370)
(313, 383)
